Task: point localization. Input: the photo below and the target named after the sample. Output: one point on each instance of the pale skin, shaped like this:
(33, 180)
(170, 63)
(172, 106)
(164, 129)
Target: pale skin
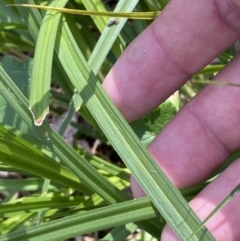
(187, 36)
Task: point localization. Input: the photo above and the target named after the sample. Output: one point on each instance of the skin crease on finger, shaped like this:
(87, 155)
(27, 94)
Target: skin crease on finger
(157, 63)
(169, 51)
(131, 90)
(209, 121)
(195, 143)
(203, 133)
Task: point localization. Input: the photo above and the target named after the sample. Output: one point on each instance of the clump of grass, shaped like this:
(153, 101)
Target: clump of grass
(56, 177)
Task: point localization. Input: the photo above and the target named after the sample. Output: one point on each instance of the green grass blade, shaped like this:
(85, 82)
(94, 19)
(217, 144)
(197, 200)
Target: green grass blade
(48, 136)
(97, 6)
(167, 199)
(33, 21)
(216, 82)
(27, 184)
(42, 65)
(227, 199)
(116, 128)
(75, 162)
(36, 162)
(233, 157)
(108, 167)
(11, 224)
(9, 26)
(108, 37)
(75, 105)
(36, 204)
(106, 217)
(135, 15)
(82, 168)
(210, 69)
(57, 145)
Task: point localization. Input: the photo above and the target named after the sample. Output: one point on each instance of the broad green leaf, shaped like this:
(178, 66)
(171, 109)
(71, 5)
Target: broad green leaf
(149, 126)
(20, 73)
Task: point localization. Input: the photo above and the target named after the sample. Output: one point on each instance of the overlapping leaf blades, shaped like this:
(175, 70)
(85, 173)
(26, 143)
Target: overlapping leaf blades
(164, 196)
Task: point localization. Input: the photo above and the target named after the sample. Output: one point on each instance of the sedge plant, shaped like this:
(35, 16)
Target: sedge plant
(66, 191)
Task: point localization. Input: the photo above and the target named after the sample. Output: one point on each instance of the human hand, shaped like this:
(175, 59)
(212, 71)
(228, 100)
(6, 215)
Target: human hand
(183, 39)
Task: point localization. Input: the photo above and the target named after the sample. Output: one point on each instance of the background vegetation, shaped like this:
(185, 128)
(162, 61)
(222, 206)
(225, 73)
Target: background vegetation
(68, 177)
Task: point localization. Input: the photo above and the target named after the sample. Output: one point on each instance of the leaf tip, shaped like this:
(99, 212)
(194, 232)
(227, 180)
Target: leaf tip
(39, 120)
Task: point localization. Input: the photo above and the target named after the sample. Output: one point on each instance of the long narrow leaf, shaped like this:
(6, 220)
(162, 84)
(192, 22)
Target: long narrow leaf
(27, 184)
(227, 199)
(106, 217)
(33, 22)
(35, 204)
(135, 15)
(42, 65)
(57, 145)
(50, 138)
(161, 191)
(108, 37)
(115, 125)
(97, 6)
(36, 162)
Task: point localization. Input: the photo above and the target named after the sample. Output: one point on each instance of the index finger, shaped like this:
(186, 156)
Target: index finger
(184, 38)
